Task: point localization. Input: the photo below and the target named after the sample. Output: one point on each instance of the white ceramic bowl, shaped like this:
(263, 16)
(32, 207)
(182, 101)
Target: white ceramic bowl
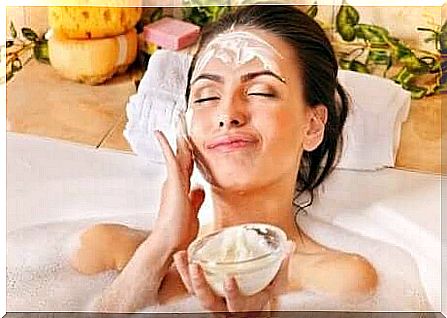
(252, 274)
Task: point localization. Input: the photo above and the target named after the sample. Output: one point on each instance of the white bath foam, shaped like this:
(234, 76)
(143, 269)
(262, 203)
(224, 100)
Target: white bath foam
(39, 277)
(399, 287)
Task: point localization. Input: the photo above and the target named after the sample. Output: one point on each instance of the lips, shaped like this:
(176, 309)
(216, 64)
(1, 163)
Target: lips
(232, 142)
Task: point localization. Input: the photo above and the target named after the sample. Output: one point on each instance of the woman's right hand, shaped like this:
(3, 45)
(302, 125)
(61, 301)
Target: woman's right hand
(177, 223)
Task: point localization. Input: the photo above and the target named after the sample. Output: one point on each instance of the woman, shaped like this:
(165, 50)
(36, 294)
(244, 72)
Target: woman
(266, 116)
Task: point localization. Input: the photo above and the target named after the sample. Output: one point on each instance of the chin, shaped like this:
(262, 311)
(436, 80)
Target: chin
(235, 180)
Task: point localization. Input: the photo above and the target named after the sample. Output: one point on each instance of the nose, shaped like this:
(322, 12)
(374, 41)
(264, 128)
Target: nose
(229, 122)
(233, 113)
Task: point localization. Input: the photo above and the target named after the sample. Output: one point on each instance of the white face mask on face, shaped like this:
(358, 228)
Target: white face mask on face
(238, 47)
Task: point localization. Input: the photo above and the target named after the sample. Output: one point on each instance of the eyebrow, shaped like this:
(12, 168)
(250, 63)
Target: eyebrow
(244, 78)
(250, 76)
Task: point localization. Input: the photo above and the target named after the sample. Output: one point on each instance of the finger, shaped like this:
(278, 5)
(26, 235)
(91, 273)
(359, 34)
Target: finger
(203, 291)
(184, 156)
(168, 153)
(184, 152)
(181, 263)
(236, 301)
(197, 196)
(280, 282)
(233, 296)
(232, 291)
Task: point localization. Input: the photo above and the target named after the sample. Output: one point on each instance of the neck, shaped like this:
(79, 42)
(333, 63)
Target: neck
(270, 204)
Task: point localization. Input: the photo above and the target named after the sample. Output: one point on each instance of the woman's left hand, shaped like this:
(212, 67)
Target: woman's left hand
(234, 301)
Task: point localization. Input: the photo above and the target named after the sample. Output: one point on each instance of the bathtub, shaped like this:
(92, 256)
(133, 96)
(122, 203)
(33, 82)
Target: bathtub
(50, 180)
(398, 207)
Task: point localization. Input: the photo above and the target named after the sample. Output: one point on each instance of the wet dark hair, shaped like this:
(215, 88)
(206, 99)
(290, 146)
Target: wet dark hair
(318, 67)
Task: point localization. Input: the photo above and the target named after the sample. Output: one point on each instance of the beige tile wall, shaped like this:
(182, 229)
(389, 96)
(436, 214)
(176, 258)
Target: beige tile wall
(33, 17)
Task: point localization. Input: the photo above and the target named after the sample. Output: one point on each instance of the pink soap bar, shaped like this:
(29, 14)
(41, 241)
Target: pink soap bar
(171, 33)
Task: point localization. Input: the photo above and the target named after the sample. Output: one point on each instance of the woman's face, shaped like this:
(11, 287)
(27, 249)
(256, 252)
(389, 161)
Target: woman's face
(248, 119)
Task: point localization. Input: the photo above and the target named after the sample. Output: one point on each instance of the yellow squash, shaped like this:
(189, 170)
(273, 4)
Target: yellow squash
(85, 22)
(93, 61)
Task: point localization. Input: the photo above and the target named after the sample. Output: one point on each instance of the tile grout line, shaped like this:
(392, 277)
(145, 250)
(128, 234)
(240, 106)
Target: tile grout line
(110, 131)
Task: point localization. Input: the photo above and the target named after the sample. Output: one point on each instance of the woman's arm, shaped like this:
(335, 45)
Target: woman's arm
(106, 246)
(138, 284)
(176, 227)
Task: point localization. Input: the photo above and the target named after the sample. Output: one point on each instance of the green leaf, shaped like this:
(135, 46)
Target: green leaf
(426, 29)
(202, 15)
(415, 65)
(12, 30)
(347, 18)
(9, 75)
(344, 64)
(403, 77)
(347, 32)
(30, 34)
(417, 92)
(186, 12)
(372, 33)
(312, 11)
(221, 12)
(358, 67)
(400, 50)
(156, 15)
(41, 51)
(352, 16)
(379, 56)
(347, 15)
(16, 65)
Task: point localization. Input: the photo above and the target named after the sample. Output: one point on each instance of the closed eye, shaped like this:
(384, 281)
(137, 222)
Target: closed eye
(261, 94)
(202, 100)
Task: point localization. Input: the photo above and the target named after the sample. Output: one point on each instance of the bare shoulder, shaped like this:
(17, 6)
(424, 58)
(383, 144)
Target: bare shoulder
(340, 274)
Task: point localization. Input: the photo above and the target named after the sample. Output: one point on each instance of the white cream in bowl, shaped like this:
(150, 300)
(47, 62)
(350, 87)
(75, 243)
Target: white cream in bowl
(252, 253)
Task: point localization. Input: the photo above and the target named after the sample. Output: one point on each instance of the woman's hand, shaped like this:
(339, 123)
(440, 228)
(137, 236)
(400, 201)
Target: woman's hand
(234, 301)
(177, 222)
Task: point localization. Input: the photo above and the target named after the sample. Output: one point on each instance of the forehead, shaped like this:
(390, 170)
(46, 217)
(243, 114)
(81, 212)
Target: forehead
(267, 48)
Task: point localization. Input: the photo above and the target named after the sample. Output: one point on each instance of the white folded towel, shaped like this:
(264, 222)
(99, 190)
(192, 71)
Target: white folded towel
(372, 130)
(157, 105)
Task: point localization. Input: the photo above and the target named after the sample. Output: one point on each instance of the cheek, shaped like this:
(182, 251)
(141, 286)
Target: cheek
(200, 125)
(281, 129)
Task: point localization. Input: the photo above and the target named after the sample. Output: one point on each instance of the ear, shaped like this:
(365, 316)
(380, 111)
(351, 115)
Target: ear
(314, 131)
